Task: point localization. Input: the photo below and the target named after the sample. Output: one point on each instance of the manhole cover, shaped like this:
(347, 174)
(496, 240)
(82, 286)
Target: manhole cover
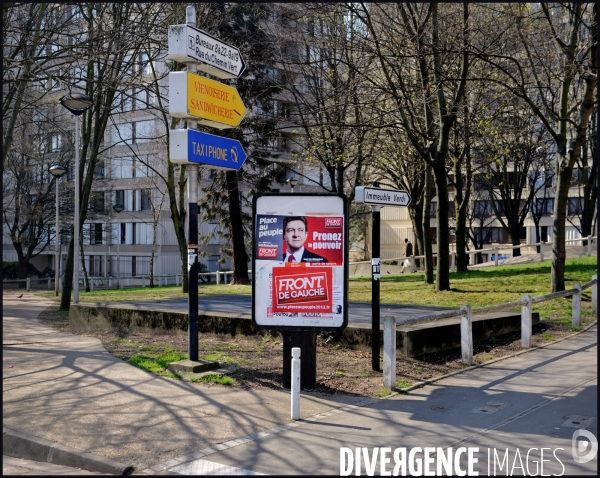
(577, 421)
(489, 408)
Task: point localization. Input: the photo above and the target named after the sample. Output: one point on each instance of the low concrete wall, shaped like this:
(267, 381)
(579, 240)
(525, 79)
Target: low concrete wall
(411, 341)
(444, 334)
(83, 317)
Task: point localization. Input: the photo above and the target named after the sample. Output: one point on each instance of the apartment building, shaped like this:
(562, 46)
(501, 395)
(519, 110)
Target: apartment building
(121, 241)
(129, 224)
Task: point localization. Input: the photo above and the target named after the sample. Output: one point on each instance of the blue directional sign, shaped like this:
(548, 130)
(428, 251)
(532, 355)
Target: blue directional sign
(188, 146)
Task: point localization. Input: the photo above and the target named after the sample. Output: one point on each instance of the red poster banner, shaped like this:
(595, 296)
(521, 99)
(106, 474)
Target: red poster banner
(324, 239)
(302, 289)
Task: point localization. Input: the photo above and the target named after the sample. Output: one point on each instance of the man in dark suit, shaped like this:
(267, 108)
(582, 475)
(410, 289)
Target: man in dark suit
(295, 232)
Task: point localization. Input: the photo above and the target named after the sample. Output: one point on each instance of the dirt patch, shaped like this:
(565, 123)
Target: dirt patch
(340, 369)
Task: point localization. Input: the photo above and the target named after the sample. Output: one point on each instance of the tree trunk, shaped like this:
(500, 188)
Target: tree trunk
(22, 268)
(427, 249)
(240, 256)
(416, 216)
(65, 298)
(442, 276)
(538, 237)
(86, 279)
(516, 241)
(462, 256)
(563, 179)
(153, 253)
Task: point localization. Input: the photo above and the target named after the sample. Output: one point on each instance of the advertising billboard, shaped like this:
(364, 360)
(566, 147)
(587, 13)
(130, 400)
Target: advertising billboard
(300, 261)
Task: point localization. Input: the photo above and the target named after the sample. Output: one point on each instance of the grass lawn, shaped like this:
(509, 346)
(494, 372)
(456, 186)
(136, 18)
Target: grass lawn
(478, 287)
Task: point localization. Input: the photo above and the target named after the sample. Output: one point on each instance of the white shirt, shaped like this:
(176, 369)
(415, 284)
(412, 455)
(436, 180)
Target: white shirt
(297, 255)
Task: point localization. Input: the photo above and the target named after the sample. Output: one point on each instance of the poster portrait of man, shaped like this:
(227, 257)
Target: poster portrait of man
(295, 233)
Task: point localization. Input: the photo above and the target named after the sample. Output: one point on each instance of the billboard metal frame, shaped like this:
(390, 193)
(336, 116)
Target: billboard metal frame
(306, 328)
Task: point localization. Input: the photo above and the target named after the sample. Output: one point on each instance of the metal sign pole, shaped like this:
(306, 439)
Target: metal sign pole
(192, 237)
(193, 262)
(375, 266)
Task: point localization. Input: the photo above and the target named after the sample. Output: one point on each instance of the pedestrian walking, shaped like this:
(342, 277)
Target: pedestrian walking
(408, 253)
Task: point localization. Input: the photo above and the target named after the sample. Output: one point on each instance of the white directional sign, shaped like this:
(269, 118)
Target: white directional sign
(381, 197)
(188, 44)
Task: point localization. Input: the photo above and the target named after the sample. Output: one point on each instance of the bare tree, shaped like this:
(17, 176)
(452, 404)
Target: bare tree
(547, 56)
(584, 207)
(422, 53)
(513, 162)
(29, 190)
(320, 51)
(109, 38)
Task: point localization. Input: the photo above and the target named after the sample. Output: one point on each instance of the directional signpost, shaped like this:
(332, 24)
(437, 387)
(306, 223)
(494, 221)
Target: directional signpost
(196, 98)
(188, 146)
(209, 102)
(188, 44)
(381, 197)
(377, 197)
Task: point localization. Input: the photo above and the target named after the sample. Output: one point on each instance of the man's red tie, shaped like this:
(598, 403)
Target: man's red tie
(291, 259)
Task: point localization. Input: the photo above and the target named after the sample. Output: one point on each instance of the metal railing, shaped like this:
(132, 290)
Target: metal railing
(495, 250)
(466, 324)
(99, 282)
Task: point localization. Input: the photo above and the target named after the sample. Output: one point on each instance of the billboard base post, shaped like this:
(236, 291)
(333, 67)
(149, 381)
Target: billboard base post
(307, 342)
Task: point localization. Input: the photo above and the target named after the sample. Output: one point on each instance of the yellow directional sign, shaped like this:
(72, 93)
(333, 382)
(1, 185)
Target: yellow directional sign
(207, 101)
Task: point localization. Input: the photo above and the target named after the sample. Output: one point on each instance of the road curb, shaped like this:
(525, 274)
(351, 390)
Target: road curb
(22, 445)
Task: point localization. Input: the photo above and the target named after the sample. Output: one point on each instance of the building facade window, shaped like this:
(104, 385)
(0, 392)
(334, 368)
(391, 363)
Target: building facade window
(575, 206)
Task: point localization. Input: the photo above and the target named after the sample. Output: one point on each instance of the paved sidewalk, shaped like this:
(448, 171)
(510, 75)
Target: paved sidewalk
(70, 390)
(523, 404)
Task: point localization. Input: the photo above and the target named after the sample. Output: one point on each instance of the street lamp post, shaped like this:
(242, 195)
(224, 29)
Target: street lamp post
(57, 171)
(76, 103)
(292, 182)
(118, 208)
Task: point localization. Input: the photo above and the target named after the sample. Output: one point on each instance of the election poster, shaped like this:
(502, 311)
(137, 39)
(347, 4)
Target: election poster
(299, 261)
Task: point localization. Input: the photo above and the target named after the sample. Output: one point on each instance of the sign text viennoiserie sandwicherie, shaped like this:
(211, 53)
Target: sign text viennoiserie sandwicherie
(209, 102)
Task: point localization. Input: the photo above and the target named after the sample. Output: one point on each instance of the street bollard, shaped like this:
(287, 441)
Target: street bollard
(595, 295)
(28, 284)
(576, 307)
(295, 383)
(495, 256)
(218, 277)
(466, 335)
(526, 322)
(589, 245)
(389, 352)
(541, 251)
